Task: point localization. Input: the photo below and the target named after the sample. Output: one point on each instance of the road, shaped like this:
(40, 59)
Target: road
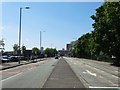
(94, 73)
(28, 76)
(51, 72)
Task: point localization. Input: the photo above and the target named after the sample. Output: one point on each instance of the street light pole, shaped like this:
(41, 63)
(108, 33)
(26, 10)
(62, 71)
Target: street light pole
(40, 41)
(19, 52)
(20, 30)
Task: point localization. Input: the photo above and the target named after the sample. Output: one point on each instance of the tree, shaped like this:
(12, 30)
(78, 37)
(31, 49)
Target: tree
(50, 52)
(105, 38)
(35, 51)
(15, 49)
(107, 29)
(23, 50)
(2, 44)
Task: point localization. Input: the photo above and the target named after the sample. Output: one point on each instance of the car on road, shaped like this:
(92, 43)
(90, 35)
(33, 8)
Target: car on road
(56, 57)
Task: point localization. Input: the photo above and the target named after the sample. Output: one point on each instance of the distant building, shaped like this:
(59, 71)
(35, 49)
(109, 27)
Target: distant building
(27, 53)
(63, 52)
(68, 47)
(8, 53)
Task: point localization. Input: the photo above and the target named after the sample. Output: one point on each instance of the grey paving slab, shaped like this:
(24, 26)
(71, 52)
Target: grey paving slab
(63, 77)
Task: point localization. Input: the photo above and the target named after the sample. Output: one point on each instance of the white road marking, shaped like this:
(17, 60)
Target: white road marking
(105, 87)
(18, 73)
(75, 63)
(88, 65)
(84, 72)
(116, 71)
(95, 68)
(113, 83)
(98, 69)
(11, 77)
(110, 82)
(114, 76)
(93, 74)
(101, 71)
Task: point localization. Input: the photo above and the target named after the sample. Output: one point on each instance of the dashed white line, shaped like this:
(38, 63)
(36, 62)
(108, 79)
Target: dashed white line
(113, 83)
(110, 82)
(95, 68)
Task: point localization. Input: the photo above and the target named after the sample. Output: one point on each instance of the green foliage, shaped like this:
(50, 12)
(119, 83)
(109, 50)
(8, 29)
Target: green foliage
(107, 28)
(23, 48)
(104, 38)
(15, 49)
(23, 51)
(35, 51)
(50, 52)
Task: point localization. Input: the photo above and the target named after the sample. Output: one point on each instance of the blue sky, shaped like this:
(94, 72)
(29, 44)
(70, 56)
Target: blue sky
(62, 22)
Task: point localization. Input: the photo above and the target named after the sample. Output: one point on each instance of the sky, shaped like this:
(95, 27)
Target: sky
(59, 22)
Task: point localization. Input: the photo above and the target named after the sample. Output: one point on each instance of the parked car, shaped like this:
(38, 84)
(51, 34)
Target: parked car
(13, 58)
(4, 59)
(33, 57)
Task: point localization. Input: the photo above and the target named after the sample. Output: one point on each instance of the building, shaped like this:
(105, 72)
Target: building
(68, 47)
(63, 52)
(27, 53)
(8, 53)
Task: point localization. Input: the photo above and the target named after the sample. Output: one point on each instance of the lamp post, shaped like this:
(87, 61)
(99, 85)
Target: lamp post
(20, 30)
(41, 40)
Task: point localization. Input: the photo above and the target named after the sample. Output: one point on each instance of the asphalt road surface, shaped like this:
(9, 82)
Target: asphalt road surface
(63, 77)
(28, 76)
(94, 73)
(63, 73)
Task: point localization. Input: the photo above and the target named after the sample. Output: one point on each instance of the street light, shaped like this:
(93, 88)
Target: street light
(20, 28)
(41, 39)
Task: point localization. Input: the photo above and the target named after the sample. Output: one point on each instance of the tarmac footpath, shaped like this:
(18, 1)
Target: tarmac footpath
(9, 65)
(63, 77)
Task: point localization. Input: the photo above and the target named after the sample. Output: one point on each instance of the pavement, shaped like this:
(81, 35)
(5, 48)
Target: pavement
(63, 77)
(8, 65)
